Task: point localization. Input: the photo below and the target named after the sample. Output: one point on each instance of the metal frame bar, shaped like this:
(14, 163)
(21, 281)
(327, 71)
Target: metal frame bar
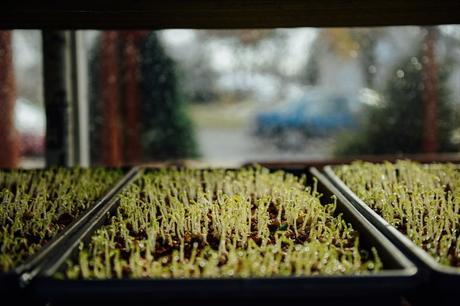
(58, 95)
(79, 85)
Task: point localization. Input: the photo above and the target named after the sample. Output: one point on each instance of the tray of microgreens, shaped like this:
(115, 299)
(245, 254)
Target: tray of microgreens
(39, 209)
(416, 205)
(220, 235)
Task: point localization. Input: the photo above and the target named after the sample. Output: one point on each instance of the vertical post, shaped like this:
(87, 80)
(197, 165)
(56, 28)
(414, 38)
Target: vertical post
(430, 92)
(111, 134)
(56, 72)
(9, 142)
(131, 97)
(79, 79)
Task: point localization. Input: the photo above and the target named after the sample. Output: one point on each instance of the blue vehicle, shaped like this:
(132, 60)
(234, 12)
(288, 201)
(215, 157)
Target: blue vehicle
(313, 115)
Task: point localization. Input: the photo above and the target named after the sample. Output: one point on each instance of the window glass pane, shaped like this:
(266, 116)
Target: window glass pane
(225, 96)
(232, 96)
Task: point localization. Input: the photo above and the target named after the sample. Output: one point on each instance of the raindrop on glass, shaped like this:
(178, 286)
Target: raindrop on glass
(372, 69)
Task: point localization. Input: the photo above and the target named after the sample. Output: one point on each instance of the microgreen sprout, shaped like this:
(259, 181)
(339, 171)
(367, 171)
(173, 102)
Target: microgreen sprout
(420, 200)
(183, 223)
(35, 205)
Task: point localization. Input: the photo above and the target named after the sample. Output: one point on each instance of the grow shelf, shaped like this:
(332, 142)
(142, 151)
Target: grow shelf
(385, 287)
(440, 282)
(15, 279)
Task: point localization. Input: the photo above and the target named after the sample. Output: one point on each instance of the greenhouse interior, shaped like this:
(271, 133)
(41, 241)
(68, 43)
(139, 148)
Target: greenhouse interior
(230, 152)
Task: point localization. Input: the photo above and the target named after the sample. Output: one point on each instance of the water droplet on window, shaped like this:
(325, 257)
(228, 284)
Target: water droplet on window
(372, 69)
(400, 74)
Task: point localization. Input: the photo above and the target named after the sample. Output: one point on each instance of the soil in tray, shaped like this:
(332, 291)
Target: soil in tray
(182, 223)
(35, 205)
(420, 200)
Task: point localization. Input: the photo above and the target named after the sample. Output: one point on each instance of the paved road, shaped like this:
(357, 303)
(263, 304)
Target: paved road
(228, 146)
(233, 146)
(32, 162)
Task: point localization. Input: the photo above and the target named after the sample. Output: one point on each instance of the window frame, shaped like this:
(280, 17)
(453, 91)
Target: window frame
(158, 14)
(202, 14)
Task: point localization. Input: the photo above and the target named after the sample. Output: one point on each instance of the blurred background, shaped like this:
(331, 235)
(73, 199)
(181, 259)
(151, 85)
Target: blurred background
(225, 97)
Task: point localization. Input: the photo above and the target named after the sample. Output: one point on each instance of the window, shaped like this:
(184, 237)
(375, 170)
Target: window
(232, 96)
(226, 97)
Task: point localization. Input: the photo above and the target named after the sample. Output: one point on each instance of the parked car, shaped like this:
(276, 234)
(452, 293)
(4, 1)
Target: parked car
(30, 124)
(315, 114)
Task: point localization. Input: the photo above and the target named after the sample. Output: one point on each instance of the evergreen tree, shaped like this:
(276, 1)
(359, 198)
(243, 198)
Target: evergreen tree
(166, 130)
(396, 126)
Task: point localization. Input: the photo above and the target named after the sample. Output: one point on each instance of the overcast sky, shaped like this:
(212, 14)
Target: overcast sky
(224, 59)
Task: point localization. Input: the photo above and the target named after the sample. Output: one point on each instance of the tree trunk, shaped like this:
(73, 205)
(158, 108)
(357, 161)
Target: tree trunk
(131, 101)
(430, 92)
(9, 141)
(111, 129)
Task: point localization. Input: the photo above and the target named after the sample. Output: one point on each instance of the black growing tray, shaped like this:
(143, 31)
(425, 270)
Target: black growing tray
(384, 288)
(440, 283)
(13, 281)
